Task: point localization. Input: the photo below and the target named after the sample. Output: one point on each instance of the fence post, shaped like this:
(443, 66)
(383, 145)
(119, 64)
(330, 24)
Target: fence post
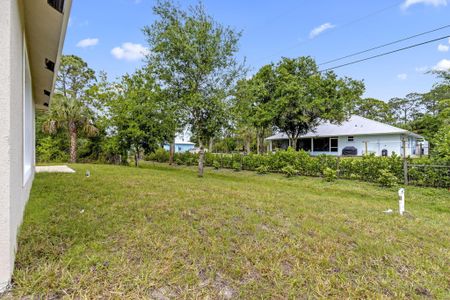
(405, 162)
(338, 171)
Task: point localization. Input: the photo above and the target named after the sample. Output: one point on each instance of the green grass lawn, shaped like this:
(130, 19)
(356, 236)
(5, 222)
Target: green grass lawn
(161, 232)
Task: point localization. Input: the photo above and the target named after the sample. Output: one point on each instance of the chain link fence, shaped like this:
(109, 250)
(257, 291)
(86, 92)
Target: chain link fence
(428, 175)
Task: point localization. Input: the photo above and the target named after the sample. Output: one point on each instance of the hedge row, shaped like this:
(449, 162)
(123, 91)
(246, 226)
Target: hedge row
(367, 168)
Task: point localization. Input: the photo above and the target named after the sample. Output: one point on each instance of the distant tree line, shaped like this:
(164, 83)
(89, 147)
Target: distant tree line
(427, 114)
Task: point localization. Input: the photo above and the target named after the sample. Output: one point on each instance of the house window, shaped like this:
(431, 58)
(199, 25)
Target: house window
(322, 144)
(304, 144)
(179, 149)
(326, 144)
(333, 145)
(28, 119)
(350, 139)
(280, 144)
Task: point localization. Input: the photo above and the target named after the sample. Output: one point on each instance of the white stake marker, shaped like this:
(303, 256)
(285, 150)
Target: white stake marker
(401, 201)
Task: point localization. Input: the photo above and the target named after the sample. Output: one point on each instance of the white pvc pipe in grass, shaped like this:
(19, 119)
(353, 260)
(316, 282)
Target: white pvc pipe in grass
(401, 201)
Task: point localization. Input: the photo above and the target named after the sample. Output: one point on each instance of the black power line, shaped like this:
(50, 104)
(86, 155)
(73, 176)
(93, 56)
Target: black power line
(372, 14)
(384, 45)
(386, 53)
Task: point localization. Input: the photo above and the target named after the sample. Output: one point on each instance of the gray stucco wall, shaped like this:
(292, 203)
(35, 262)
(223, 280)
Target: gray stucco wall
(14, 191)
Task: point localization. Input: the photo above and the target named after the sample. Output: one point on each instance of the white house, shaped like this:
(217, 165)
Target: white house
(31, 38)
(357, 136)
(181, 146)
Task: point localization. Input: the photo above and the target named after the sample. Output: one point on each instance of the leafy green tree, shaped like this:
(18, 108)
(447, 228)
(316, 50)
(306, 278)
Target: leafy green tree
(441, 139)
(75, 78)
(176, 118)
(433, 115)
(253, 103)
(227, 142)
(444, 75)
(69, 112)
(48, 149)
(405, 109)
(138, 117)
(71, 115)
(54, 147)
(304, 97)
(374, 109)
(431, 101)
(194, 56)
(425, 125)
(442, 142)
(246, 134)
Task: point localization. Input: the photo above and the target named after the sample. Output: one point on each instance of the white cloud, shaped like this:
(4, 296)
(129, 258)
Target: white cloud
(130, 52)
(320, 29)
(402, 76)
(435, 3)
(87, 43)
(443, 48)
(443, 65)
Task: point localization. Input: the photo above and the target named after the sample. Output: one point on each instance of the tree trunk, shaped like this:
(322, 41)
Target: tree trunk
(258, 142)
(210, 145)
(261, 142)
(172, 152)
(201, 158)
(136, 157)
(73, 141)
(247, 146)
(293, 142)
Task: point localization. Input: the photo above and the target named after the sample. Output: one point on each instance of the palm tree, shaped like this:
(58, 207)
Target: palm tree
(71, 115)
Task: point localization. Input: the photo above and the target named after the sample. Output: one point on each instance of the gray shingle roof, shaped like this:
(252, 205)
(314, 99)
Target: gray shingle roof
(182, 142)
(356, 125)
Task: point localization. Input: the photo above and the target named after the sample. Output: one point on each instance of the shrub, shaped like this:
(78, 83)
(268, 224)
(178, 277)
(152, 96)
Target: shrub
(189, 161)
(262, 169)
(289, 171)
(387, 179)
(159, 155)
(210, 159)
(253, 161)
(237, 166)
(179, 161)
(47, 150)
(354, 176)
(367, 168)
(329, 174)
(216, 165)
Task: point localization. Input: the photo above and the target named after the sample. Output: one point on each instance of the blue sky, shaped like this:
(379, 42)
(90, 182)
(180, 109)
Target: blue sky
(107, 34)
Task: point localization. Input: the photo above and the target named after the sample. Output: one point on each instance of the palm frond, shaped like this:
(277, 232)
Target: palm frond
(90, 130)
(50, 126)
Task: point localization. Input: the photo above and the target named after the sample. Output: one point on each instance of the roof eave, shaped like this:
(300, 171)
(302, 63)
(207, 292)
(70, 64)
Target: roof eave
(45, 40)
(274, 138)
